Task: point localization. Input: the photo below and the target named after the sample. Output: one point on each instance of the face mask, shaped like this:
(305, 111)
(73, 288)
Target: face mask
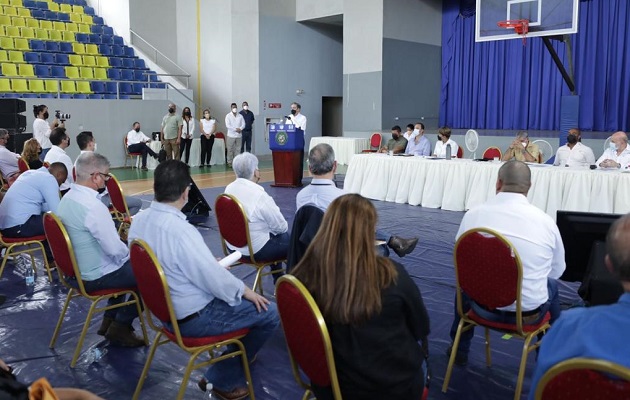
(95, 146)
(572, 139)
(187, 114)
(524, 144)
(46, 115)
(171, 110)
(394, 136)
(101, 190)
(293, 112)
(245, 108)
(68, 142)
(415, 132)
(137, 129)
(613, 146)
(439, 137)
(234, 110)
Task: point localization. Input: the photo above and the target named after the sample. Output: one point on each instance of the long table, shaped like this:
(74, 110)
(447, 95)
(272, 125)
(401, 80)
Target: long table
(344, 148)
(458, 185)
(218, 153)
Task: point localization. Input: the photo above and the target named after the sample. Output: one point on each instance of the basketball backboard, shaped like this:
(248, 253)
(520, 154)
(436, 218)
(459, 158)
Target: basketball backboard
(546, 18)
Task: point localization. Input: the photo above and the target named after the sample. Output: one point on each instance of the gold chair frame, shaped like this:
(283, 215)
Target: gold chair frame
(38, 246)
(122, 216)
(130, 156)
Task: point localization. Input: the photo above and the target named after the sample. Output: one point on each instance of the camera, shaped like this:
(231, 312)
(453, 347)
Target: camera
(61, 116)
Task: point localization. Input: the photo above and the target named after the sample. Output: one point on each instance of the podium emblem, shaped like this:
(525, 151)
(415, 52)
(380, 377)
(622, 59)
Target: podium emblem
(281, 138)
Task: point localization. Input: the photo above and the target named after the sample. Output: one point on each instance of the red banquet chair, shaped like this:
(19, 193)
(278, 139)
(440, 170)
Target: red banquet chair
(584, 379)
(234, 229)
(33, 244)
(492, 152)
(489, 270)
(129, 155)
(23, 165)
(119, 209)
(157, 300)
(460, 152)
(375, 143)
(61, 248)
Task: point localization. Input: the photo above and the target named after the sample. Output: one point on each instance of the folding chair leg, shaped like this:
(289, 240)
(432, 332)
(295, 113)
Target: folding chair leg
(488, 354)
(7, 253)
(248, 376)
(523, 366)
(147, 364)
(451, 360)
(46, 264)
(258, 281)
(187, 372)
(63, 313)
(86, 325)
(141, 318)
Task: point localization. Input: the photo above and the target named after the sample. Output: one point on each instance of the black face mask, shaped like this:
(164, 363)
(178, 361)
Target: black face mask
(439, 137)
(293, 112)
(171, 110)
(137, 129)
(101, 190)
(572, 139)
(68, 142)
(395, 136)
(46, 115)
(187, 114)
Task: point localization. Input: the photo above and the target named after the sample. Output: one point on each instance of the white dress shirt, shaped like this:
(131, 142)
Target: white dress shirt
(188, 128)
(320, 193)
(298, 120)
(263, 214)
(134, 137)
(578, 156)
(41, 133)
(232, 122)
(57, 154)
(192, 272)
(623, 158)
(440, 148)
(8, 162)
(533, 233)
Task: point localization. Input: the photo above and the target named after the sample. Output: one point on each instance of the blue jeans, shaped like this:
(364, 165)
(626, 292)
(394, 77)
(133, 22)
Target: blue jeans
(552, 305)
(34, 226)
(276, 248)
(218, 318)
(43, 155)
(121, 278)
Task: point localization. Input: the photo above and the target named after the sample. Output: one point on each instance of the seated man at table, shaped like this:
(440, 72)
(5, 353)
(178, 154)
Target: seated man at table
(397, 143)
(207, 298)
(617, 155)
(268, 229)
(137, 143)
(535, 236)
(574, 153)
(409, 132)
(521, 149)
(595, 332)
(444, 139)
(322, 191)
(418, 144)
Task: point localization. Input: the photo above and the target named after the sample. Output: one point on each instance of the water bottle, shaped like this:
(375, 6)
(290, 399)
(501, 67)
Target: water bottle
(93, 355)
(29, 276)
(448, 151)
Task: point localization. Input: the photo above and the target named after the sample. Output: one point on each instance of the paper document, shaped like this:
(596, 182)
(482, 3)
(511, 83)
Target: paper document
(228, 261)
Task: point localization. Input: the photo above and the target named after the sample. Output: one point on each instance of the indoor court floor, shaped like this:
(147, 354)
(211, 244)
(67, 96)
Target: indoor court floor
(28, 317)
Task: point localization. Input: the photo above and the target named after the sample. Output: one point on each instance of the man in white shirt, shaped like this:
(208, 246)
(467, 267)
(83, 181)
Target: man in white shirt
(235, 124)
(618, 154)
(60, 142)
(535, 236)
(267, 226)
(137, 143)
(574, 153)
(8, 159)
(42, 129)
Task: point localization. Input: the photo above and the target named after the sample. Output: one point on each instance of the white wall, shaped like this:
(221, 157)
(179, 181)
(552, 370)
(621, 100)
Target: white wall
(414, 21)
(312, 9)
(116, 14)
(362, 36)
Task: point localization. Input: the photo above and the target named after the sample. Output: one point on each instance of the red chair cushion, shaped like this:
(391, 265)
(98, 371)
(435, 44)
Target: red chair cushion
(103, 292)
(502, 326)
(206, 340)
(231, 221)
(585, 384)
(39, 238)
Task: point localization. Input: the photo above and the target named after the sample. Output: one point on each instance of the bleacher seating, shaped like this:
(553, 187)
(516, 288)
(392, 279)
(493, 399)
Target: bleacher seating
(61, 48)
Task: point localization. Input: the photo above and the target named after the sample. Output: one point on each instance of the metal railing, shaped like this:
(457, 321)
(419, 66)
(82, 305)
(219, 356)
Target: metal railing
(159, 58)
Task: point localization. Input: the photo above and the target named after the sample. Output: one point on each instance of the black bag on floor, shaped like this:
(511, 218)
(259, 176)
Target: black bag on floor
(162, 155)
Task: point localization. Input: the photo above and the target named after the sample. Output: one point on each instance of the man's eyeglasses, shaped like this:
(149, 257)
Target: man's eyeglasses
(105, 177)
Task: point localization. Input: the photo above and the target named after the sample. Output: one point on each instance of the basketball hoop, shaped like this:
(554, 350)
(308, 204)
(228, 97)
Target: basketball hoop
(520, 26)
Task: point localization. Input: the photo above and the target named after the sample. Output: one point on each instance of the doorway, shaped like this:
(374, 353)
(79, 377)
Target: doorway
(332, 116)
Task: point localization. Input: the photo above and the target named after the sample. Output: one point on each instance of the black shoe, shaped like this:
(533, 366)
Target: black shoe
(461, 359)
(123, 335)
(202, 166)
(401, 246)
(104, 326)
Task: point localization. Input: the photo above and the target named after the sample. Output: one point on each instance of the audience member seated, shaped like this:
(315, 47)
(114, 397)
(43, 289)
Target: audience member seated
(30, 154)
(322, 191)
(418, 144)
(535, 236)
(137, 143)
(207, 298)
(595, 332)
(87, 143)
(267, 226)
(409, 132)
(444, 139)
(397, 143)
(101, 257)
(367, 301)
(8, 159)
(521, 149)
(60, 142)
(574, 153)
(42, 129)
(618, 154)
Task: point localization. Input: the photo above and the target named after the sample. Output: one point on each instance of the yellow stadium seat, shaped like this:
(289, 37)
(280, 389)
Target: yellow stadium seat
(59, 26)
(75, 18)
(102, 61)
(68, 36)
(24, 12)
(26, 70)
(7, 43)
(5, 20)
(3, 30)
(21, 44)
(28, 33)
(89, 61)
(16, 3)
(78, 9)
(52, 6)
(18, 21)
(91, 49)
(75, 59)
(84, 87)
(36, 86)
(65, 8)
(86, 72)
(9, 69)
(84, 28)
(72, 72)
(87, 19)
(11, 11)
(78, 48)
(44, 24)
(68, 86)
(12, 31)
(19, 85)
(72, 27)
(4, 2)
(55, 35)
(100, 74)
(32, 23)
(51, 85)
(4, 56)
(16, 57)
(42, 34)
(5, 85)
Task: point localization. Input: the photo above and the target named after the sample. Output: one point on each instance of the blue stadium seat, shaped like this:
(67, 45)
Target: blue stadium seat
(110, 87)
(65, 96)
(126, 75)
(118, 40)
(29, 4)
(114, 74)
(118, 51)
(42, 5)
(79, 96)
(115, 62)
(107, 30)
(139, 63)
(97, 29)
(47, 58)
(95, 96)
(43, 71)
(98, 20)
(139, 75)
(128, 63)
(105, 49)
(38, 14)
(50, 15)
(80, 3)
(89, 11)
(107, 39)
(129, 52)
(65, 47)
(153, 77)
(94, 38)
(52, 46)
(57, 71)
(31, 57)
(62, 59)
(46, 96)
(28, 95)
(38, 45)
(158, 85)
(126, 88)
(82, 37)
(137, 88)
(109, 96)
(63, 17)
(98, 86)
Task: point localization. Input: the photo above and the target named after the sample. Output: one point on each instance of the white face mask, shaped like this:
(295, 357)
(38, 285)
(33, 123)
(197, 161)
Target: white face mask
(245, 108)
(415, 132)
(524, 144)
(95, 146)
(613, 146)
(234, 110)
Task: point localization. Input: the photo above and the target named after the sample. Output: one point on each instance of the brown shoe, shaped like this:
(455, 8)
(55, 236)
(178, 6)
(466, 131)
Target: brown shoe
(236, 394)
(104, 326)
(122, 335)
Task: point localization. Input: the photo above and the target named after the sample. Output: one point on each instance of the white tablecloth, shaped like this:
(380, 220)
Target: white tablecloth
(344, 148)
(218, 153)
(458, 185)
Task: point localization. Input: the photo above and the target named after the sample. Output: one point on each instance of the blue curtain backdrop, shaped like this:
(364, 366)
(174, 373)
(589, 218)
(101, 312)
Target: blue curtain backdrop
(505, 85)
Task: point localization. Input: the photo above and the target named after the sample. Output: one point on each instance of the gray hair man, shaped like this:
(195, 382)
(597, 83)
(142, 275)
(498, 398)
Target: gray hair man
(521, 149)
(617, 155)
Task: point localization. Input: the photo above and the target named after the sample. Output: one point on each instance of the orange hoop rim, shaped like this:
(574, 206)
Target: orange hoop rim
(520, 26)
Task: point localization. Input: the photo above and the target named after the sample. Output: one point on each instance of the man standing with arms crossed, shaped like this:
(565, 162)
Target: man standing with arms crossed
(235, 123)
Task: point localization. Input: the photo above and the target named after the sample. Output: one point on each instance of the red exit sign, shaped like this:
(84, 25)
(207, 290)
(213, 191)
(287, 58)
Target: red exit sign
(275, 105)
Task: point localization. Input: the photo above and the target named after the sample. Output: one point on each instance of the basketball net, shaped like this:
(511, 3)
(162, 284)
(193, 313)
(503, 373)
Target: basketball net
(520, 26)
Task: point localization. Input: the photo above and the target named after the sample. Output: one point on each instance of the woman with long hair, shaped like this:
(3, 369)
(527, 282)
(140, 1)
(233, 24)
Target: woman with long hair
(208, 126)
(188, 132)
(374, 311)
(31, 153)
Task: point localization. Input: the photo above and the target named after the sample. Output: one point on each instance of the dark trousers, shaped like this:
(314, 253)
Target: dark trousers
(34, 226)
(206, 149)
(185, 146)
(142, 148)
(246, 143)
(276, 248)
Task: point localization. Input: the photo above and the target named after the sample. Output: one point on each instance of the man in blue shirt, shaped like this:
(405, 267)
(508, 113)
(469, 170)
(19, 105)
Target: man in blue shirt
(418, 144)
(598, 332)
(248, 116)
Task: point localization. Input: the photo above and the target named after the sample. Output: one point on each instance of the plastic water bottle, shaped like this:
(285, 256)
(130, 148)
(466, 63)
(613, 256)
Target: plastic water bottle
(29, 276)
(448, 151)
(95, 354)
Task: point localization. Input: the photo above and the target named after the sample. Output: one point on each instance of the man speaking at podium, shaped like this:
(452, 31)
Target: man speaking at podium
(297, 119)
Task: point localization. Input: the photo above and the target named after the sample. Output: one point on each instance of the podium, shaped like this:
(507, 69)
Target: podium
(287, 149)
